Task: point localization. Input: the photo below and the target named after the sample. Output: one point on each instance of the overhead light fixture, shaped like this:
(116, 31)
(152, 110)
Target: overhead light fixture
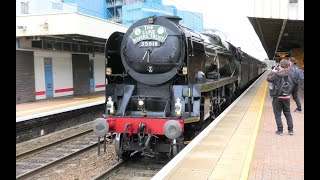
(22, 27)
(99, 42)
(36, 38)
(82, 40)
(57, 37)
(293, 1)
(44, 25)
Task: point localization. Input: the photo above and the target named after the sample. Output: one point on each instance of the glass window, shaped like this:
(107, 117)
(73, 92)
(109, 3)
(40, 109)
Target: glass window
(48, 45)
(101, 49)
(66, 46)
(57, 6)
(83, 48)
(57, 46)
(24, 7)
(36, 44)
(89, 47)
(75, 47)
(96, 48)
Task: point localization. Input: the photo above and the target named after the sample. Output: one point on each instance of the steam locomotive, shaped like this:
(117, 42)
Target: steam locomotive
(166, 83)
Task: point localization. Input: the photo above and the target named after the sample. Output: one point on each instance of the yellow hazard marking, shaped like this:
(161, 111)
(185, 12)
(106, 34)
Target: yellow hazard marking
(246, 166)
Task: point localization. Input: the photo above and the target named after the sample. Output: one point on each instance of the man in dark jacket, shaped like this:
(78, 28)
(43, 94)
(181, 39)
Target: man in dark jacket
(281, 102)
(295, 89)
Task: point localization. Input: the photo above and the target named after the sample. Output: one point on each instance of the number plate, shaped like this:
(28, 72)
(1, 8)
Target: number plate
(149, 44)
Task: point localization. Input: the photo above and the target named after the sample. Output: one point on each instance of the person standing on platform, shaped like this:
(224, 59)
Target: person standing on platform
(295, 89)
(282, 83)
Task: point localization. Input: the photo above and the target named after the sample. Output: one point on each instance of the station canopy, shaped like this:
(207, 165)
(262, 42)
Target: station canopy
(279, 36)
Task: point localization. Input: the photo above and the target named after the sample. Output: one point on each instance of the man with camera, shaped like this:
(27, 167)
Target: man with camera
(281, 78)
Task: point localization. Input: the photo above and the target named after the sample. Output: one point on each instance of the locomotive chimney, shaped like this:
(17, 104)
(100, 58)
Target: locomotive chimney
(174, 19)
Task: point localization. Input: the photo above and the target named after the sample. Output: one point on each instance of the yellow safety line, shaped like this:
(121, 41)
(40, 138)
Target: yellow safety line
(54, 106)
(246, 166)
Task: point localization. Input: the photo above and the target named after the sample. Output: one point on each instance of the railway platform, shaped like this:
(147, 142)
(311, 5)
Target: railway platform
(32, 110)
(241, 143)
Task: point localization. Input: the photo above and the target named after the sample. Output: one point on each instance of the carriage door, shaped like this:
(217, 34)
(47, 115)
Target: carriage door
(48, 76)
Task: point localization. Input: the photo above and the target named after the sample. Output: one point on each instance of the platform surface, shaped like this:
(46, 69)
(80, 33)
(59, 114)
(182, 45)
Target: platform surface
(243, 144)
(279, 157)
(40, 108)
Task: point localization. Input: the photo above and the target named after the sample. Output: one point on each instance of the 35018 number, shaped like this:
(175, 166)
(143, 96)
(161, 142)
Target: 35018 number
(149, 44)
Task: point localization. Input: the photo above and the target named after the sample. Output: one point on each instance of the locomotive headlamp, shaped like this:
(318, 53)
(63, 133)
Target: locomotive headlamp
(172, 129)
(108, 71)
(110, 106)
(141, 105)
(184, 70)
(140, 102)
(178, 106)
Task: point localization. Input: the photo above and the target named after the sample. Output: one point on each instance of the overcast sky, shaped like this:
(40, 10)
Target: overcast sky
(228, 16)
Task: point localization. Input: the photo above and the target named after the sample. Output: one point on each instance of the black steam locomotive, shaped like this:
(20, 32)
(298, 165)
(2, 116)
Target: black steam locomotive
(166, 83)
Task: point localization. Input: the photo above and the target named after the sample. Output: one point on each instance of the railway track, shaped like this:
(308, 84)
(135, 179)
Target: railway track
(135, 168)
(30, 129)
(34, 161)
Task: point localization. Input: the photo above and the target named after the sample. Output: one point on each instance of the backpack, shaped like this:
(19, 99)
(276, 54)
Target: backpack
(299, 75)
(286, 85)
(273, 90)
(282, 88)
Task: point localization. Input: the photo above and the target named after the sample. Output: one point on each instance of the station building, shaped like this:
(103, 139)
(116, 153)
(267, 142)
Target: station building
(60, 54)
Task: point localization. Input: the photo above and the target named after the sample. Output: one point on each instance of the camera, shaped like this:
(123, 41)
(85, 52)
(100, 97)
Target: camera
(276, 68)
